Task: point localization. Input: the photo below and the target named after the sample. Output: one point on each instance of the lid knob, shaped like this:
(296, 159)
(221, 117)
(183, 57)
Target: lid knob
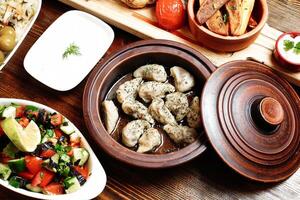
(267, 114)
(271, 111)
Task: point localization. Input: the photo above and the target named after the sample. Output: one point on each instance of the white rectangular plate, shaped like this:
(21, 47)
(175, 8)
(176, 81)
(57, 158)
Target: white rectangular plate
(45, 61)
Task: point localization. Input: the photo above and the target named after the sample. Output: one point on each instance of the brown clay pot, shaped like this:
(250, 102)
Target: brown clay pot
(125, 61)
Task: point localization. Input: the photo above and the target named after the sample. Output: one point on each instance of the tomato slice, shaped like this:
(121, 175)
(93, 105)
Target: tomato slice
(56, 119)
(33, 164)
(24, 121)
(20, 110)
(84, 171)
(47, 153)
(54, 189)
(42, 178)
(58, 133)
(27, 175)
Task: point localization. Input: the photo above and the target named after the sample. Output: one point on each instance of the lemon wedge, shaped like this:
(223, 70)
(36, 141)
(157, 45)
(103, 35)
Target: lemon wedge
(25, 140)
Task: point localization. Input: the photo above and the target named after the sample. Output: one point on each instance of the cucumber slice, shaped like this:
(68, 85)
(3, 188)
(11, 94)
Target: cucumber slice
(55, 158)
(72, 184)
(10, 111)
(67, 128)
(5, 171)
(17, 165)
(10, 150)
(81, 155)
(33, 188)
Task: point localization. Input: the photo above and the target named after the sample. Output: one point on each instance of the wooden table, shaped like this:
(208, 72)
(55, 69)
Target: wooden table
(203, 178)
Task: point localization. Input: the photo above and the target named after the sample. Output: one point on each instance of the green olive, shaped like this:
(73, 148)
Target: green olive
(7, 43)
(8, 30)
(2, 57)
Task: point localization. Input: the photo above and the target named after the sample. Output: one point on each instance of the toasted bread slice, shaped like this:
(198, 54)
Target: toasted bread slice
(216, 24)
(234, 10)
(208, 8)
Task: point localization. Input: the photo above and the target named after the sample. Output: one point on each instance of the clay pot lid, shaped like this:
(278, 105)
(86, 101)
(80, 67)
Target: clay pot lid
(251, 117)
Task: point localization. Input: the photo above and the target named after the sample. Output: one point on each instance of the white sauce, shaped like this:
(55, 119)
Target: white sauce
(289, 55)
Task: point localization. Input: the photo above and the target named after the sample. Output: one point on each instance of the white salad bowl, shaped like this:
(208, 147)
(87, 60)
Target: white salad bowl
(95, 182)
(26, 30)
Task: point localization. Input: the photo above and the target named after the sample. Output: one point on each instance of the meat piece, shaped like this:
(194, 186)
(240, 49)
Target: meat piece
(178, 104)
(217, 24)
(208, 8)
(128, 89)
(194, 115)
(149, 140)
(152, 72)
(152, 89)
(111, 115)
(137, 110)
(181, 134)
(133, 131)
(160, 112)
(184, 81)
(138, 3)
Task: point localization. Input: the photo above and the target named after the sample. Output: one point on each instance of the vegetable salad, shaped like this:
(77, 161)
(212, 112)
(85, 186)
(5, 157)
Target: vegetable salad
(40, 151)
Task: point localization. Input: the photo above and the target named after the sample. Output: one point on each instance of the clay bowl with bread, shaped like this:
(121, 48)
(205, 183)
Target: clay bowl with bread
(226, 37)
(116, 70)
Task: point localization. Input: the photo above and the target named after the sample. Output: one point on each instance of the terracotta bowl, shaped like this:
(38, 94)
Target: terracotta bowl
(227, 43)
(125, 61)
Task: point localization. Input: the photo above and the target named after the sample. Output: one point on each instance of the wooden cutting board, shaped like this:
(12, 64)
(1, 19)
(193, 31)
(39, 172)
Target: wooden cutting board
(142, 23)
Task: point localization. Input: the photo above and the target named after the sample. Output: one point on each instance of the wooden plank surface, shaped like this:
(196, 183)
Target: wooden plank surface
(205, 177)
(142, 23)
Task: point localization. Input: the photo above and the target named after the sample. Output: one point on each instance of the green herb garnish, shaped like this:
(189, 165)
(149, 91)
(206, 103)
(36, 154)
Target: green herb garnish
(72, 49)
(288, 45)
(297, 48)
(225, 18)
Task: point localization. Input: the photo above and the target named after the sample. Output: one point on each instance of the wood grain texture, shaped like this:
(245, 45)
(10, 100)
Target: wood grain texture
(205, 177)
(143, 23)
(284, 15)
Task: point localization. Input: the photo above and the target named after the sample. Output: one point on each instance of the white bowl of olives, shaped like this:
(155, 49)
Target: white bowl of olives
(16, 20)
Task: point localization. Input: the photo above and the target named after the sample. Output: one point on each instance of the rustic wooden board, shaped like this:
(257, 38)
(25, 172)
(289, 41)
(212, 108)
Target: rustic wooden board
(142, 23)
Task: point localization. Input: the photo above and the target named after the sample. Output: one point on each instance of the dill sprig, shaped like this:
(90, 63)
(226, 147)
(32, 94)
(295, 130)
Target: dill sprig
(72, 49)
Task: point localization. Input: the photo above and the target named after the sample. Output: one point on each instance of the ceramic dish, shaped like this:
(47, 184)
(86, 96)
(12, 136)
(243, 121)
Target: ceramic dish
(125, 61)
(283, 56)
(76, 41)
(95, 182)
(22, 37)
(227, 43)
